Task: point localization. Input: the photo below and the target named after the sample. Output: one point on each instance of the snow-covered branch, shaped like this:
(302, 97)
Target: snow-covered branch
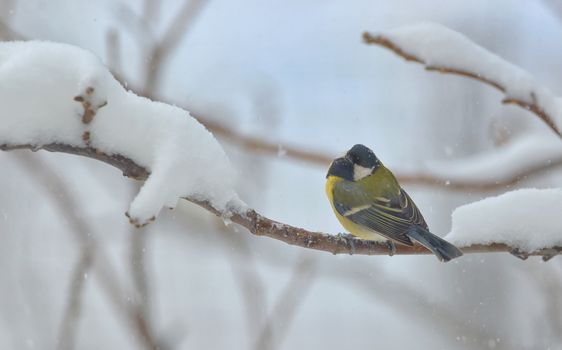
(443, 50)
(260, 225)
(70, 103)
(435, 174)
(59, 96)
(522, 158)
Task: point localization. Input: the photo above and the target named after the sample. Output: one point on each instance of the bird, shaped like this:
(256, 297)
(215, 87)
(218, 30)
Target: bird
(369, 203)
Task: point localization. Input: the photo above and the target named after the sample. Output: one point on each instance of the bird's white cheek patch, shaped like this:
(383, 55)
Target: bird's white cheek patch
(360, 172)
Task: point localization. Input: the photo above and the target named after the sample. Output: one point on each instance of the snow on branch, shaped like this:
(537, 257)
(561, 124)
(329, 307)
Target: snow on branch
(260, 225)
(447, 179)
(496, 169)
(528, 219)
(60, 98)
(443, 50)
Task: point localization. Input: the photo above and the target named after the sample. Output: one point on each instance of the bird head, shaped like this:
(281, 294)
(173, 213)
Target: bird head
(358, 163)
(364, 161)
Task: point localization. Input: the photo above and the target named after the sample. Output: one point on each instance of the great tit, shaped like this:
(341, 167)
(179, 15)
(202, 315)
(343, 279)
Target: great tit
(369, 203)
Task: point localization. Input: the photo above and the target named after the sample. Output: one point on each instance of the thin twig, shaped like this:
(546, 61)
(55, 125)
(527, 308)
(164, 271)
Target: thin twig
(252, 288)
(156, 57)
(151, 11)
(162, 50)
(433, 180)
(110, 283)
(142, 313)
(82, 231)
(91, 252)
(295, 153)
(532, 106)
(69, 324)
(551, 289)
(7, 33)
(287, 304)
(114, 56)
(393, 292)
(262, 226)
(138, 268)
(260, 145)
(179, 27)
(298, 153)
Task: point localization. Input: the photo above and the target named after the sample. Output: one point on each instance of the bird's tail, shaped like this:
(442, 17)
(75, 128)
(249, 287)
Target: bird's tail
(444, 250)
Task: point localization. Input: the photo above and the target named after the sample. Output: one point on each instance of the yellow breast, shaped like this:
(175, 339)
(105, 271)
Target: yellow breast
(353, 228)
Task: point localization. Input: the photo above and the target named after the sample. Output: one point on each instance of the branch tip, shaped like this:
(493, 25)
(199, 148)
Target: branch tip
(532, 106)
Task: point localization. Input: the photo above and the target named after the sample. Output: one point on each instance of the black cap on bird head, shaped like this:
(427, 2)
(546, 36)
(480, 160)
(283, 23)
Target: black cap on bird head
(363, 156)
(341, 167)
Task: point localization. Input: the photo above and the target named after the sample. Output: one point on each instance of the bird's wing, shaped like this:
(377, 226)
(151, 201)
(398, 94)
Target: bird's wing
(390, 217)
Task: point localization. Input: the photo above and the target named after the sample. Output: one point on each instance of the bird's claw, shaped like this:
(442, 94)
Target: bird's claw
(349, 239)
(391, 248)
(343, 236)
(549, 254)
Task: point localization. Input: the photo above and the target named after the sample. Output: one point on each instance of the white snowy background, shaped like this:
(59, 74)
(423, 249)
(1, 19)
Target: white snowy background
(296, 73)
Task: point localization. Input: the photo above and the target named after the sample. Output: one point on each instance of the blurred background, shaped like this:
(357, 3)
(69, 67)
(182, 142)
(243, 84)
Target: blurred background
(287, 75)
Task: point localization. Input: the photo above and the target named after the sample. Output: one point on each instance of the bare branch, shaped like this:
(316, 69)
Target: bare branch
(91, 253)
(164, 47)
(532, 106)
(433, 180)
(142, 312)
(7, 33)
(295, 153)
(287, 304)
(179, 27)
(251, 286)
(405, 299)
(138, 268)
(259, 145)
(261, 226)
(81, 229)
(151, 10)
(69, 323)
(114, 57)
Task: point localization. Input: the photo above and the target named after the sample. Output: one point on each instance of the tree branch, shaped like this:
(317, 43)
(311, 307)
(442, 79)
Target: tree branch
(168, 44)
(262, 226)
(532, 106)
(7, 33)
(295, 153)
(251, 286)
(434, 180)
(91, 252)
(275, 328)
(177, 29)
